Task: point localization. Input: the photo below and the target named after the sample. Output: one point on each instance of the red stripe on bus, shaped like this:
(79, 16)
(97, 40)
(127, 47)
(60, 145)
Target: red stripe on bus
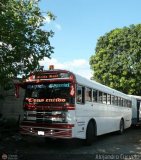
(65, 126)
(49, 108)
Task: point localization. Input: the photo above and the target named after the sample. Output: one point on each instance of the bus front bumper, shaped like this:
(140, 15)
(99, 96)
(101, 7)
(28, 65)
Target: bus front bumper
(47, 130)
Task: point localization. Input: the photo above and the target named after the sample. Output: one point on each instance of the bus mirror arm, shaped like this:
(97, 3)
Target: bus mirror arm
(17, 90)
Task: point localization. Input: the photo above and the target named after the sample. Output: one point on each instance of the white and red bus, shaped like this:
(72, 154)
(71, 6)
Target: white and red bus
(61, 104)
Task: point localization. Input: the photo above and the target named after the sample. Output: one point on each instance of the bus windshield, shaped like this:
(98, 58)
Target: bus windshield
(49, 91)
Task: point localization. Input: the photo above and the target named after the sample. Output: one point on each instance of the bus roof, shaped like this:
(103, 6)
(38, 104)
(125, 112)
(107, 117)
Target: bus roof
(137, 97)
(95, 85)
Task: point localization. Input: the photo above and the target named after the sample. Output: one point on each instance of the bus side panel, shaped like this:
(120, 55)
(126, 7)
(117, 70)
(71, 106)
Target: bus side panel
(107, 124)
(84, 112)
(107, 117)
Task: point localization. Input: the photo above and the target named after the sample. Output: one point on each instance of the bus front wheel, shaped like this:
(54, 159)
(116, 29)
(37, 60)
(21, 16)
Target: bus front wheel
(121, 127)
(90, 134)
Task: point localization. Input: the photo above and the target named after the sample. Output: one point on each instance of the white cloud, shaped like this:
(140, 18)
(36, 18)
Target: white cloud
(47, 19)
(78, 66)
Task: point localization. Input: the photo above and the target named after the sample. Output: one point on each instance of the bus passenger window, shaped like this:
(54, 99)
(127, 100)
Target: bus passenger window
(95, 94)
(129, 104)
(125, 103)
(88, 94)
(116, 100)
(100, 97)
(80, 94)
(105, 98)
(108, 99)
(113, 100)
(120, 101)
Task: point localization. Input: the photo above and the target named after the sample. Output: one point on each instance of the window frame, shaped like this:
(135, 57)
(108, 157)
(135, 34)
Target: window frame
(82, 96)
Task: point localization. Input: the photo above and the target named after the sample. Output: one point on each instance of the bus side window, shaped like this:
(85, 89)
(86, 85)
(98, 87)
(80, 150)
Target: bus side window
(113, 100)
(108, 99)
(100, 97)
(80, 94)
(116, 100)
(124, 102)
(95, 95)
(120, 101)
(105, 98)
(88, 94)
(129, 104)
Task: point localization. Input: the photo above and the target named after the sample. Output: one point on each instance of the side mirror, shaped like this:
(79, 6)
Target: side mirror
(17, 87)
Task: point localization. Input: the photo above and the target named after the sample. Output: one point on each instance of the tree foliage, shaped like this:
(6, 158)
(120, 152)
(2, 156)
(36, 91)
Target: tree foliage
(117, 59)
(23, 42)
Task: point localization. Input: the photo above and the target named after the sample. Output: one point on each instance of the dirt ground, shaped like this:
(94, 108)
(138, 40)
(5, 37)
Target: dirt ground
(110, 146)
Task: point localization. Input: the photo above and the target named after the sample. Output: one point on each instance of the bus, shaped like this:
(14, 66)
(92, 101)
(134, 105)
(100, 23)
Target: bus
(61, 104)
(136, 110)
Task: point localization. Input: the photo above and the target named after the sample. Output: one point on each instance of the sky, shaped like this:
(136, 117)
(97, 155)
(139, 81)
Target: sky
(78, 26)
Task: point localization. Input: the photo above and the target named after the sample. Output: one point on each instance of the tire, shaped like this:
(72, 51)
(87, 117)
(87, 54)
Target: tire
(90, 134)
(121, 127)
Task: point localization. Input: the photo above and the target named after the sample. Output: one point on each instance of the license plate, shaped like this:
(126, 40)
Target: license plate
(41, 133)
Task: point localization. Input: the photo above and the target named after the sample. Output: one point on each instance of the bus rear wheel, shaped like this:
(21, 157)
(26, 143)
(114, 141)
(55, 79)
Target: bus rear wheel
(121, 127)
(90, 134)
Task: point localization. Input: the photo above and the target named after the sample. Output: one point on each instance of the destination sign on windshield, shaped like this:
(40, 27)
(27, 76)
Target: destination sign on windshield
(51, 85)
(51, 76)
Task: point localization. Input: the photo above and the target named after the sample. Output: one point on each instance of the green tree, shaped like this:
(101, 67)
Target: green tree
(117, 59)
(23, 42)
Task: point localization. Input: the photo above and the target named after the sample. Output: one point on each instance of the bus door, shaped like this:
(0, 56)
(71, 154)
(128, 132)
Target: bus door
(138, 110)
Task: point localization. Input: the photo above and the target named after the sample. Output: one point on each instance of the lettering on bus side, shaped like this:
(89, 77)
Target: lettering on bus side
(46, 100)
